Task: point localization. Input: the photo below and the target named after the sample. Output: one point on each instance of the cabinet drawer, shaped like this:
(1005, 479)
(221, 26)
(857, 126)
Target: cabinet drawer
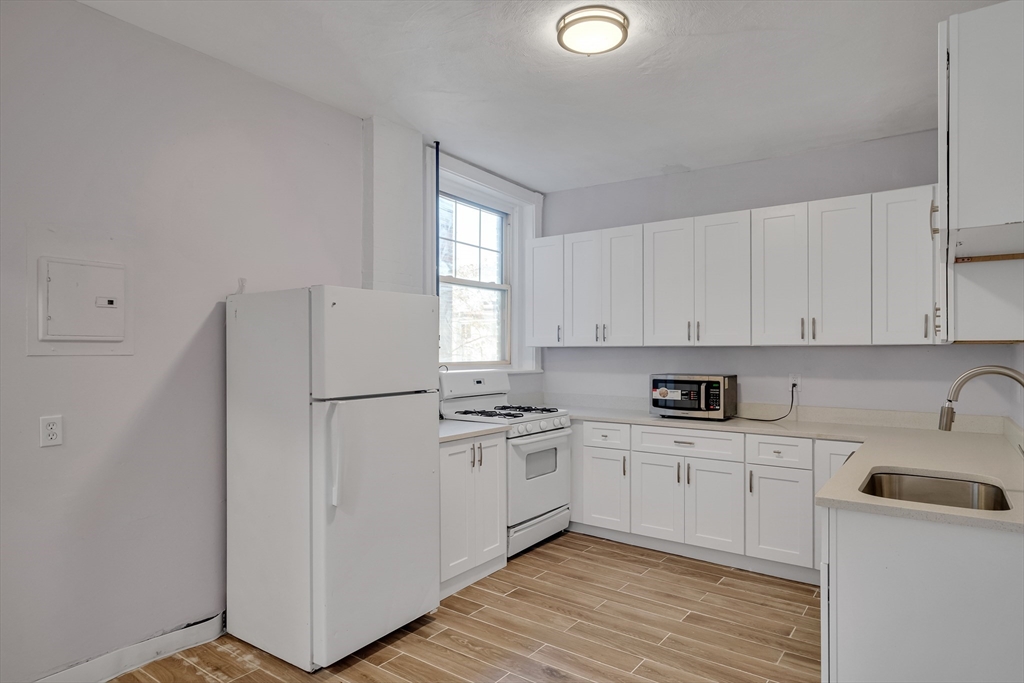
(606, 435)
(780, 451)
(688, 442)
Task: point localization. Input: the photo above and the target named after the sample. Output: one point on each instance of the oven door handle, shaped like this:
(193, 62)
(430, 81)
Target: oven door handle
(541, 437)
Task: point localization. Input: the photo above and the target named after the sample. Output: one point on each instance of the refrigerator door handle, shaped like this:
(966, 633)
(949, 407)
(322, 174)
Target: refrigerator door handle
(332, 420)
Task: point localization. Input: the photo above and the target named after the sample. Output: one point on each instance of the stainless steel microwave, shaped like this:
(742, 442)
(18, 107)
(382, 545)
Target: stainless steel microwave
(705, 397)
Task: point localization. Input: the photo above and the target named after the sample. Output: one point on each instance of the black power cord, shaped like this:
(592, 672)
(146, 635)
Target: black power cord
(792, 398)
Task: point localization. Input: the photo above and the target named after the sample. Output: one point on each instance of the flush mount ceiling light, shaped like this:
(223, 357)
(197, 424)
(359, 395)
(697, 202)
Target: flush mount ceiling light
(592, 30)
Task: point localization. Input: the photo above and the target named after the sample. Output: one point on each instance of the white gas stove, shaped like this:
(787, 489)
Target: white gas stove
(483, 397)
(538, 454)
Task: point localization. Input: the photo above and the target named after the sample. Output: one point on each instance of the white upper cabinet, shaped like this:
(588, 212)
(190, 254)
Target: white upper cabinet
(604, 287)
(583, 289)
(901, 274)
(986, 116)
(778, 273)
(622, 270)
(668, 283)
(543, 289)
(839, 270)
(722, 279)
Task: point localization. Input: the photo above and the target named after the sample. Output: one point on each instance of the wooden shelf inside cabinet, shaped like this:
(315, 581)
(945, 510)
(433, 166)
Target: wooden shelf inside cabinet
(991, 257)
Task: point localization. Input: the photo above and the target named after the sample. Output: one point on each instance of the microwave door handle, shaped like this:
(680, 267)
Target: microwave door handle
(335, 433)
(703, 397)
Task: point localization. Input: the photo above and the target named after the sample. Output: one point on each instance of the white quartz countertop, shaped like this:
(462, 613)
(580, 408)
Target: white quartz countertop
(456, 430)
(987, 458)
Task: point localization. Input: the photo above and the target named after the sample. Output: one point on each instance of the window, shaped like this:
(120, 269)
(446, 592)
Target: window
(474, 290)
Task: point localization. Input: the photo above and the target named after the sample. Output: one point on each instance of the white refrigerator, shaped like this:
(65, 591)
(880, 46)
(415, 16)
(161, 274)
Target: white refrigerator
(332, 468)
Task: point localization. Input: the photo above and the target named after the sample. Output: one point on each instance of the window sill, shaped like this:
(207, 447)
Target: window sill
(503, 368)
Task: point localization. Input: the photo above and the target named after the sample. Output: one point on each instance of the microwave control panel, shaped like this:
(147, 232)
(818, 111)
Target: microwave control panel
(714, 396)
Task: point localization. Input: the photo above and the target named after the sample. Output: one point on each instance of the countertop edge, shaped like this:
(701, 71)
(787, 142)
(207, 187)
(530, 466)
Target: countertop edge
(471, 433)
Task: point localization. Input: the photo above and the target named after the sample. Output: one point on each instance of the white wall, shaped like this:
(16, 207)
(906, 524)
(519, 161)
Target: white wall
(892, 378)
(118, 142)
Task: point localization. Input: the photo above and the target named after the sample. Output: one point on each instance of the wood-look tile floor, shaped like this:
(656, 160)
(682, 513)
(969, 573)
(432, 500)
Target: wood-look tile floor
(576, 608)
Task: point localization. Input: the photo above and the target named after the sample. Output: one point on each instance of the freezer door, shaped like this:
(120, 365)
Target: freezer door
(369, 342)
(376, 533)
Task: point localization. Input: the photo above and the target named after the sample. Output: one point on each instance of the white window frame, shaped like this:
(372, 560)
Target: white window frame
(503, 286)
(523, 208)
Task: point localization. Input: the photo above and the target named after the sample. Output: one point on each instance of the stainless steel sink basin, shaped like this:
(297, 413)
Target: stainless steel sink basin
(937, 491)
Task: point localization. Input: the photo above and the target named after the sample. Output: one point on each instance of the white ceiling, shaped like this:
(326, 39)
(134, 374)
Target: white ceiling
(697, 84)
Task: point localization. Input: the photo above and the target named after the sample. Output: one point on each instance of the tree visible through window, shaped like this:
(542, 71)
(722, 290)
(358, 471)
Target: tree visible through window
(473, 289)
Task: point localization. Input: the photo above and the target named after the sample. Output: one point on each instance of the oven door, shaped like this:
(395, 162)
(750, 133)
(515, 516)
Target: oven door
(679, 397)
(538, 475)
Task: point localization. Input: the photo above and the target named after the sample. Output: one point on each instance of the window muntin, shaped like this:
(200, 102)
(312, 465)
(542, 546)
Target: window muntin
(473, 288)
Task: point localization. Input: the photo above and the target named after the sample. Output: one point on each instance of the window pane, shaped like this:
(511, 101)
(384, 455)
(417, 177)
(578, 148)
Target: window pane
(490, 230)
(446, 260)
(446, 221)
(467, 262)
(467, 224)
(489, 268)
(471, 324)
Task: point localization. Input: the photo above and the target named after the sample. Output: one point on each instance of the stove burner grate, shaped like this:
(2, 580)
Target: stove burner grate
(489, 413)
(527, 409)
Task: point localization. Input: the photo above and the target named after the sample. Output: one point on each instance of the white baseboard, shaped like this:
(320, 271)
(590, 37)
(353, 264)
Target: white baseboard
(457, 583)
(115, 663)
(753, 564)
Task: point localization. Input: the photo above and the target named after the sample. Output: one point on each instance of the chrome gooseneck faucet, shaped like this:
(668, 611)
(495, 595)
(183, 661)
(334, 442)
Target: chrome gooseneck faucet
(948, 414)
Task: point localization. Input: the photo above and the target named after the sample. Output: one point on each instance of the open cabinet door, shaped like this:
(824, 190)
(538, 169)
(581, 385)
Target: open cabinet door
(376, 528)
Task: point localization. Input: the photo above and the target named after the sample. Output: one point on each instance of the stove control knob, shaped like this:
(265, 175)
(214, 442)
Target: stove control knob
(543, 425)
(529, 428)
(521, 429)
(564, 421)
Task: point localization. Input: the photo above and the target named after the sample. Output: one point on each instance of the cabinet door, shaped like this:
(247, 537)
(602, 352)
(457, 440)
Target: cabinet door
(901, 266)
(780, 514)
(778, 273)
(458, 501)
(622, 286)
(583, 289)
(606, 488)
(829, 456)
(839, 269)
(544, 291)
(656, 496)
(490, 492)
(713, 504)
(986, 129)
(722, 279)
(668, 283)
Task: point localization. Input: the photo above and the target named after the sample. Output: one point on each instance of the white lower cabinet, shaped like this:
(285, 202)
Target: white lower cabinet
(606, 488)
(656, 496)
(473, 504)
(713, 509)
(780, 514)
(829, 456)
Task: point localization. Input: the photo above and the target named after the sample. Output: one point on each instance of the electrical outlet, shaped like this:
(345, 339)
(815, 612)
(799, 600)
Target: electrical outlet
(795, 379)
(51, 431)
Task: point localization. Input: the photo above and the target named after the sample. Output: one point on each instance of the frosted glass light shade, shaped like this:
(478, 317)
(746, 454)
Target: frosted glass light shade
(592, 30)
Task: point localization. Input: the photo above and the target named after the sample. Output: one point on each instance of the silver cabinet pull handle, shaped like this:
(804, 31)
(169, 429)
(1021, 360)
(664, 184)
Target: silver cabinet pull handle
(679, 467)
(698, 330)
(559, 333)
(814, 328)
(623, 465)
(605, 332)
(777, 452)
(802, 328)
(684, 443)
(687, 474)
(925, 325)
(472, 456)
(597, 332)
(480, 455)
(689, 324)
(751, 481)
